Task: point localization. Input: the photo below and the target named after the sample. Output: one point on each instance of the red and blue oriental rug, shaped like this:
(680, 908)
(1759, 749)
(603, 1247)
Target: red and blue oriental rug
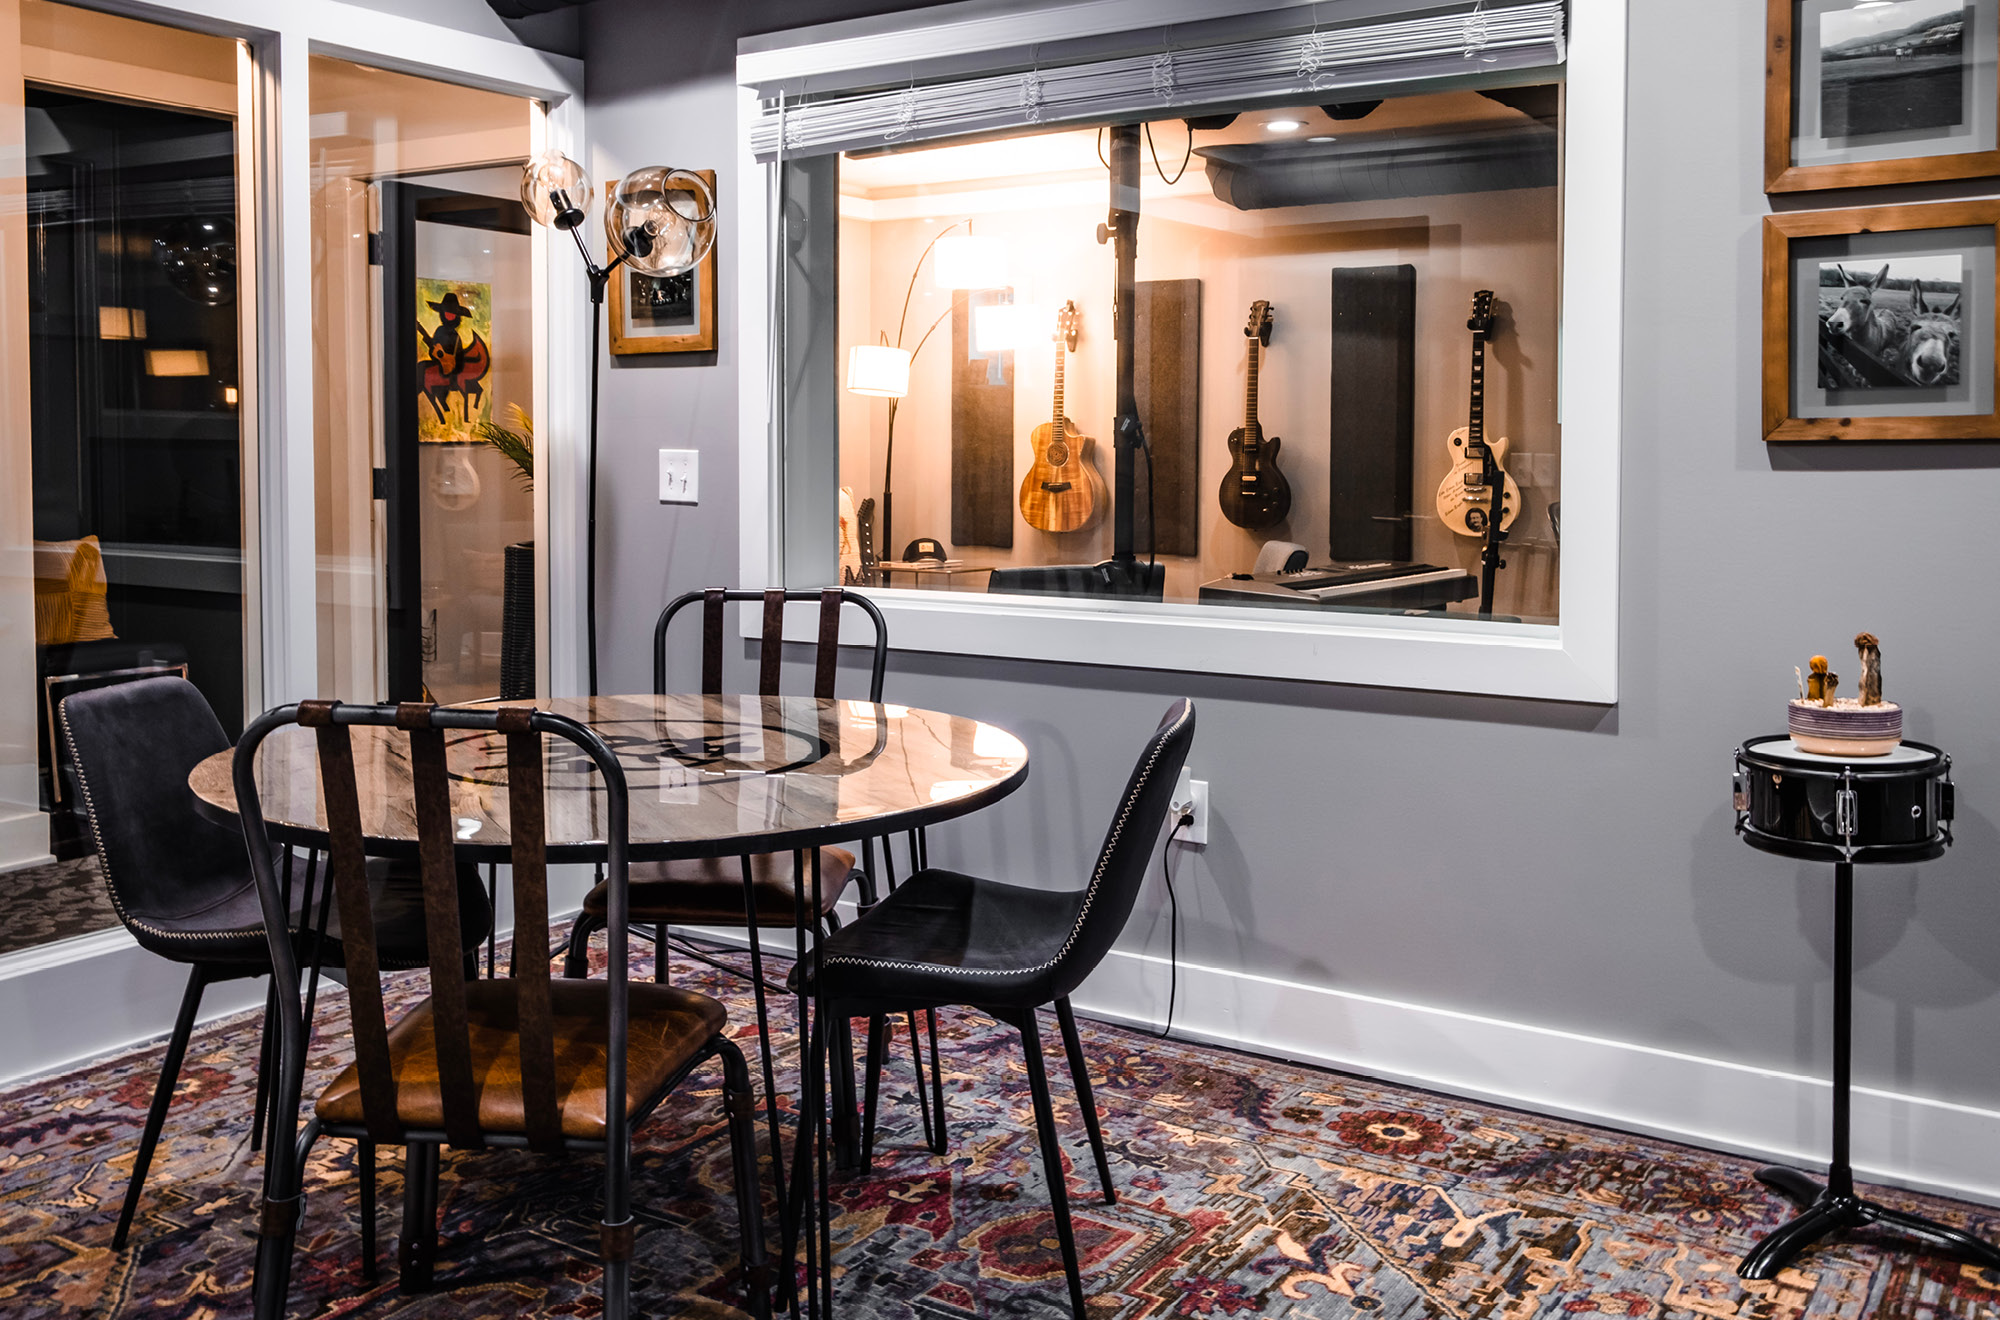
(1248, 1188)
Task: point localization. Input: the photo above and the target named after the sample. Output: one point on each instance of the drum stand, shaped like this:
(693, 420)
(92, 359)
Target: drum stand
(1826, 1210)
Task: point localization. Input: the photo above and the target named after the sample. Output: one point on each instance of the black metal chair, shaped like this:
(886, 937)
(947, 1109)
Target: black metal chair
(948, 938)
(709, 891)
(552, 1065)
(182, 885)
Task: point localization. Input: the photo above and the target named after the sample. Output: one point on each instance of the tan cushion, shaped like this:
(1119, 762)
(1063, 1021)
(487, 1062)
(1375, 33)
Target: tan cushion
(70, 590)
(669, 1026)
(708, 891)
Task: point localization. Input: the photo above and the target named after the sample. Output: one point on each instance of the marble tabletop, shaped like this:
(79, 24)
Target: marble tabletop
(708, 776)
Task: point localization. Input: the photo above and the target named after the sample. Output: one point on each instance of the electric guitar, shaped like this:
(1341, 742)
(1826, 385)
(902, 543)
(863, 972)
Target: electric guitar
(1062, 491)
(1254, 493)
(1463, 500)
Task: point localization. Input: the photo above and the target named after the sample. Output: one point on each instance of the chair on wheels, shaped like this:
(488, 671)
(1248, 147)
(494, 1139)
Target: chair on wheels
(709, 891)
(182, 884)
(553, 1065)
(947, 938)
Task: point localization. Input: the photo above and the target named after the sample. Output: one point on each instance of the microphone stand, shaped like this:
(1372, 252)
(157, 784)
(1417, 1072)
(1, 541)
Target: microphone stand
(1490, 561)
(1128, 435)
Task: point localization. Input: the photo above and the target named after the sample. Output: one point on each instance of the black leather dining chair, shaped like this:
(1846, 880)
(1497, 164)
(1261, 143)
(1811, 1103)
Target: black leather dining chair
(181, 885)
(709, 891)
(948, 938)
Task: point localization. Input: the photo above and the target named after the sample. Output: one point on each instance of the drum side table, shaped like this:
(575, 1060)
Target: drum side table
(1894, 808)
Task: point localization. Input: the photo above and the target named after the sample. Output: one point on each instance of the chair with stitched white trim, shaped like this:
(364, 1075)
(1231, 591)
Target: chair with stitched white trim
(945, 938)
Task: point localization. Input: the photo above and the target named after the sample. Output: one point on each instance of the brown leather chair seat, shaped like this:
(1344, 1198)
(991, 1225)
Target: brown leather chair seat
(708, 891)
(669, 1026)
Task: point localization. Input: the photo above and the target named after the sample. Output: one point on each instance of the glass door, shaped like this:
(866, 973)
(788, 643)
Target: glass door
(426, 319)
(120, 324)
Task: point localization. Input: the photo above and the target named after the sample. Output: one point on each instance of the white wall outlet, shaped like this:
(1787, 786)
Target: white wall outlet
(1190, 798)
(680, 476)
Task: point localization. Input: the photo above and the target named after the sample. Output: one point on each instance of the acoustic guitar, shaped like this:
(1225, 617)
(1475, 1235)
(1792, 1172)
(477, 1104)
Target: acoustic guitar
(1463, 499)
(1062, 491)
(1254, 493)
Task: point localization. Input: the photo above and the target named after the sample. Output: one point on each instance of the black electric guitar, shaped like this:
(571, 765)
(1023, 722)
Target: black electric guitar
(1464, 498)
(1254, 493)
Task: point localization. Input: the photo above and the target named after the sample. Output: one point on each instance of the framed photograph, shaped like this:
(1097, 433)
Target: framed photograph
(1880, 323)
(1864, 92)
(666, 313)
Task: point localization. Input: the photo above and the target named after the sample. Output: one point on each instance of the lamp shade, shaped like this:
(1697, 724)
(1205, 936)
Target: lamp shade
(879, 370)
(661, 220)
(966, 261)
(555, 190)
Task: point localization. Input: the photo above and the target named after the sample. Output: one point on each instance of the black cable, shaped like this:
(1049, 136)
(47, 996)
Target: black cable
(1156, 155)
(1173, 922)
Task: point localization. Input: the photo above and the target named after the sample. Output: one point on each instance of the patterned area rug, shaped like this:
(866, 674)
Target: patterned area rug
(43, 904)
(1247, 1188)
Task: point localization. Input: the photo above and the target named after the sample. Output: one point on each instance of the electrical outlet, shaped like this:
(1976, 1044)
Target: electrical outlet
(1190, 798)
(680, 476)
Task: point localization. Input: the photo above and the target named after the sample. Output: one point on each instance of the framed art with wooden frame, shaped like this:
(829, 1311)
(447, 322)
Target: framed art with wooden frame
(1880, 323)
(1865, 92)
(664, 313)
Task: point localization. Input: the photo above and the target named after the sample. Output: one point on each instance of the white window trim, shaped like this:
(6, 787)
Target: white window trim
(1575, 660)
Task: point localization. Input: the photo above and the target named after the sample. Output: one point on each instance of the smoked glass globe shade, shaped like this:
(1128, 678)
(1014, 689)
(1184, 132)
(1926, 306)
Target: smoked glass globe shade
(661, 220)
(555, 190)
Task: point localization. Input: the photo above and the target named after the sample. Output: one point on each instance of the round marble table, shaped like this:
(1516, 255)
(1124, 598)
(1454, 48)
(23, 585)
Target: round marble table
(709, 776)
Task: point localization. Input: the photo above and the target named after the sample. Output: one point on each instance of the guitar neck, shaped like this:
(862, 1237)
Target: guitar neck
(1056, 418)
(1250, 392)
(1476, 424)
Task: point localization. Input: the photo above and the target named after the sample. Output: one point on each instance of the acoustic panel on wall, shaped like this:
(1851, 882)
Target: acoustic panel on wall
(1166, 378)
(982, 433)
(1373, 374)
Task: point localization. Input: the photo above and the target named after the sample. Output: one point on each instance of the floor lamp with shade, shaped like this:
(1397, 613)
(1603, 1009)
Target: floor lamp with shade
(659, 221)
(882, 369)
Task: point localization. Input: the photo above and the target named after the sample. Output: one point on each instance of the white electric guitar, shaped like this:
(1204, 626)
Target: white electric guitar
(1463, 500)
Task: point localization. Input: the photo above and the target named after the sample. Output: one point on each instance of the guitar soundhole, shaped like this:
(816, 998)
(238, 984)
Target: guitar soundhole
(1058, 453)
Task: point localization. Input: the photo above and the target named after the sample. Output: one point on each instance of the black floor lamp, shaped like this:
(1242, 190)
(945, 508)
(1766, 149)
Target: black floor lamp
(658, 221)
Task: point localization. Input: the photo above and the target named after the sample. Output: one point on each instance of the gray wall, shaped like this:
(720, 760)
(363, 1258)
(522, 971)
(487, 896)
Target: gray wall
(1566, 866)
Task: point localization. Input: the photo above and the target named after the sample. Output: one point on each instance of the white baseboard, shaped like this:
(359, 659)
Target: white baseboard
(1903, 1140)
(24, 840)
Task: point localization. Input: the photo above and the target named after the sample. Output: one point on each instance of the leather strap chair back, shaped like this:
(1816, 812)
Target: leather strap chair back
(436, 834)
(133, 745)
(1121, 863)
(771, 651)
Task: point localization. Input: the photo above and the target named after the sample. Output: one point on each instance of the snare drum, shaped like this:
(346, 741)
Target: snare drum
(1893, 808)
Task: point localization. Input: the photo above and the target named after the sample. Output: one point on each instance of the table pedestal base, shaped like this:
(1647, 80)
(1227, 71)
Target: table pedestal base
(1824, 1212)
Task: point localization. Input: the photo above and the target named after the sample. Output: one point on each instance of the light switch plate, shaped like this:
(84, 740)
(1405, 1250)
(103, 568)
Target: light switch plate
(680, 476)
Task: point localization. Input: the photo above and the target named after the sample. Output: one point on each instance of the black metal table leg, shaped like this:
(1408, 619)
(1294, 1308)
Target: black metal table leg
(1830, 1209)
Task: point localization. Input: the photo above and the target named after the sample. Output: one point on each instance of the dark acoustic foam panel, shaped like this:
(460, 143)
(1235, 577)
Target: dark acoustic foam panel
(1373, 372)
(982, 434)
(1167, 377)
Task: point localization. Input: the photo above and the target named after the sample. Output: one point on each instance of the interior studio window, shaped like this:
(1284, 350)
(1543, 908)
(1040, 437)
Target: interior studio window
(1206, 323)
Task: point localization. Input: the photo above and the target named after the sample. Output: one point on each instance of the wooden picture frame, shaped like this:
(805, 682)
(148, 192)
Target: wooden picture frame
(630, 336)
(1906, 410)
(1782, 173)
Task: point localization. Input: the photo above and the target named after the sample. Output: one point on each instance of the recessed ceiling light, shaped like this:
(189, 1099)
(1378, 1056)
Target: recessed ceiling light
(1319, 139)
(1283, 125)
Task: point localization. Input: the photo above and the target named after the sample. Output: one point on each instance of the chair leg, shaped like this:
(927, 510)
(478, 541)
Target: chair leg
(660, 953)
(878, 1049)
(739, 1105)
(267, 1063)
(940, 1141)
(1045, 1124)
(846, 1122)
(367, 1161)
(576, 963)
(417, 1251)
(163, 1096)
(764, 1031)
(1079, 1071)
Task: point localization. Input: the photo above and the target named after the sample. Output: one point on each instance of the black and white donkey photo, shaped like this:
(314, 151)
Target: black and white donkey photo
(1890, 324)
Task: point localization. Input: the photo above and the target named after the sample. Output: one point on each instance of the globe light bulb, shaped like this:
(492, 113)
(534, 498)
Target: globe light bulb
(555, 190)
(661, 221)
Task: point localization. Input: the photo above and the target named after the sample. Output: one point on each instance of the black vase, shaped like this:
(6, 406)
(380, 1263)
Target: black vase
(517, 624)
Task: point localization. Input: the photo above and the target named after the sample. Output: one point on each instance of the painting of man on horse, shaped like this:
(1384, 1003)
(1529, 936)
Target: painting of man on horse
(455, 358)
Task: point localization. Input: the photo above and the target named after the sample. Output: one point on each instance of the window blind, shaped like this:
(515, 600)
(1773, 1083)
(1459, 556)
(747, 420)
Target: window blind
(1325, 60)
